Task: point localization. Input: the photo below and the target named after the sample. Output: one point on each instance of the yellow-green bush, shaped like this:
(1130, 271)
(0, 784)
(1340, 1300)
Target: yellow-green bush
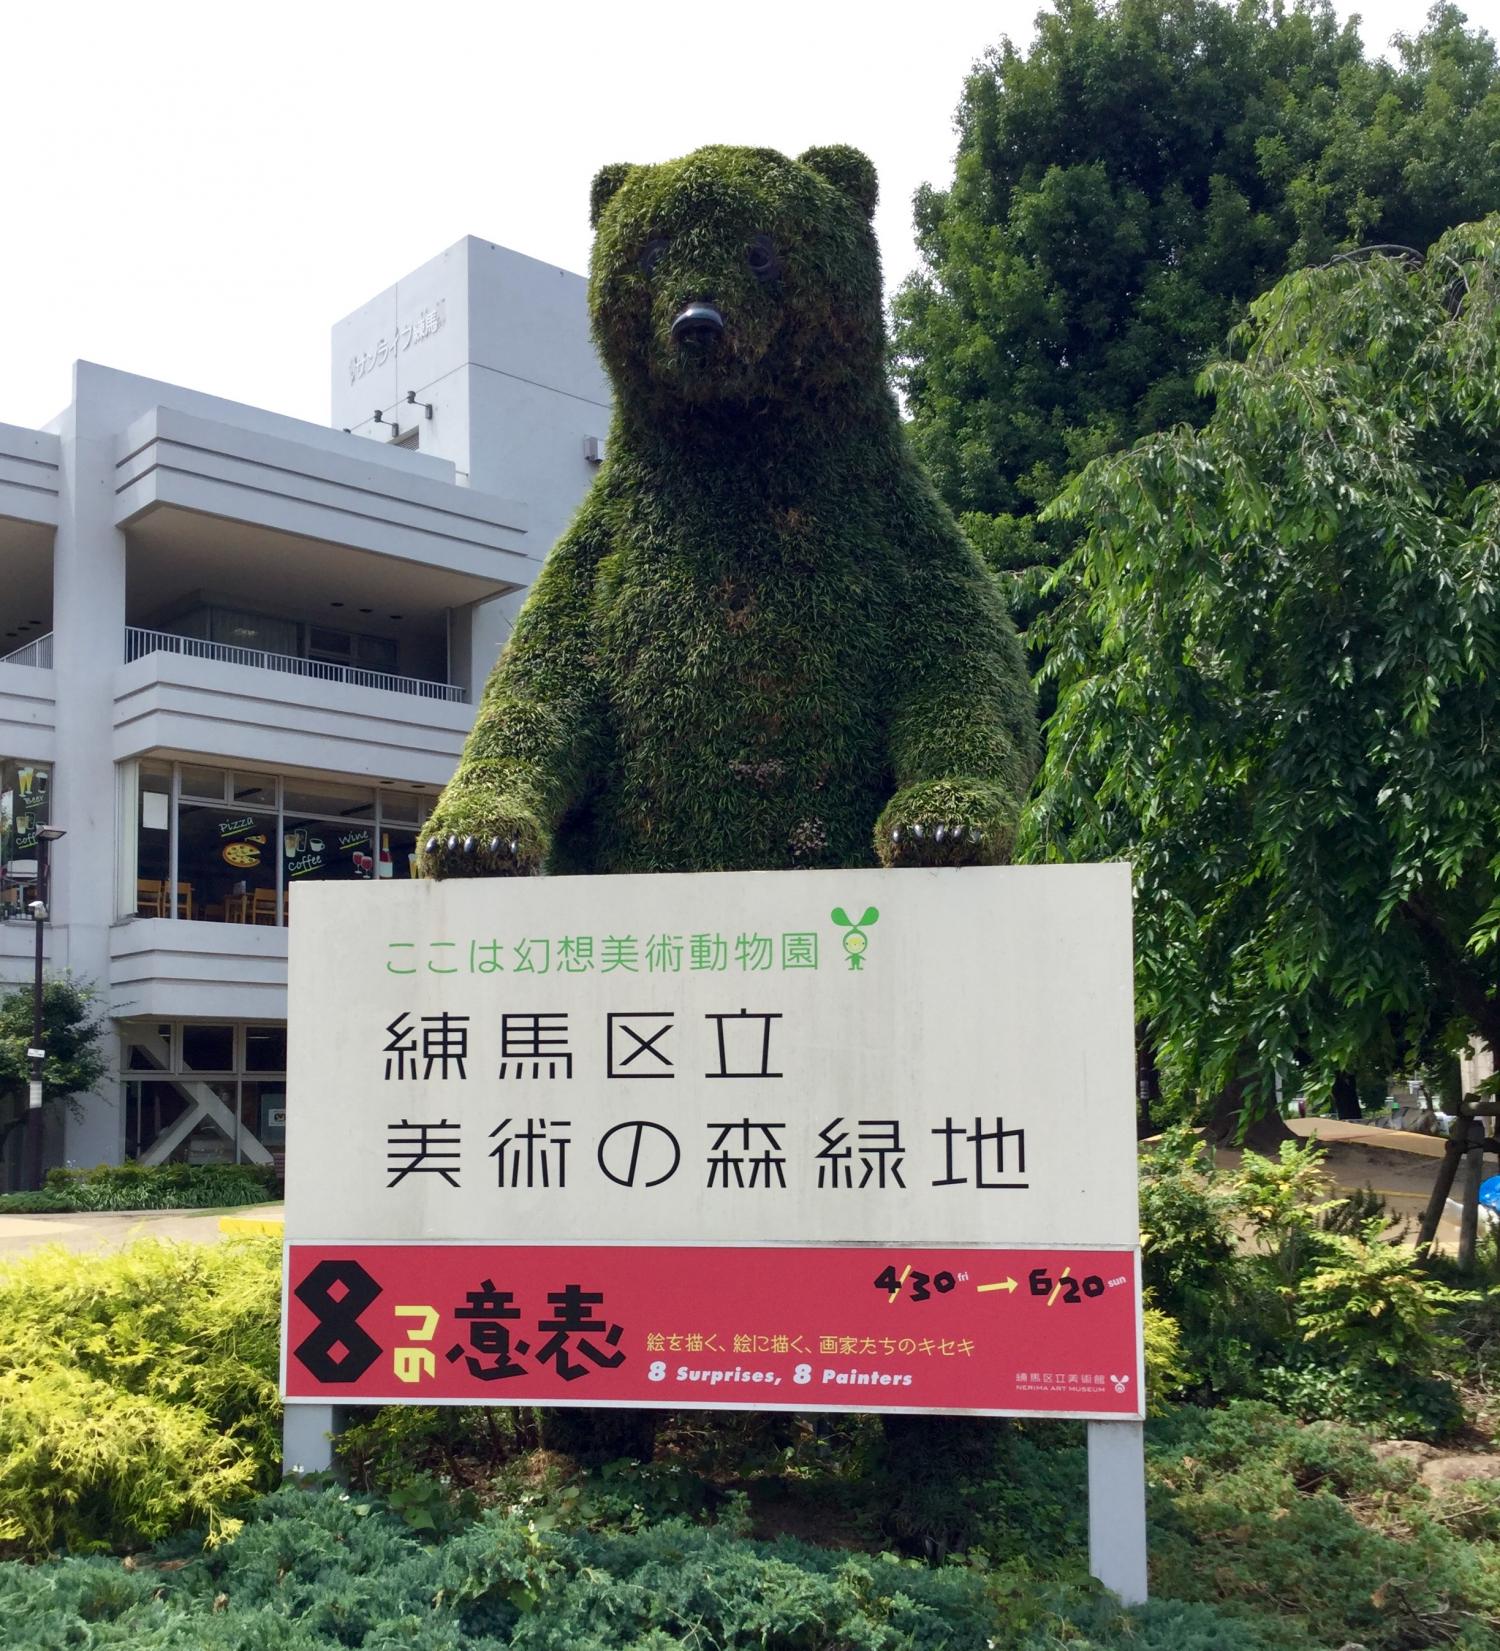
(137, 1391)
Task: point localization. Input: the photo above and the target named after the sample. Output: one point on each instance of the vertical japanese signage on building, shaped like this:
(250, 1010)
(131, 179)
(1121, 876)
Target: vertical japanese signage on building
(865, 1139)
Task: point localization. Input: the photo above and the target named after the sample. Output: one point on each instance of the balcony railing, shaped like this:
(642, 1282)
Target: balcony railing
(139, 643)
(37, 652)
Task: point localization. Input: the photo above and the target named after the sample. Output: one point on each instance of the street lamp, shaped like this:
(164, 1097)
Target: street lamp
(36, 1054)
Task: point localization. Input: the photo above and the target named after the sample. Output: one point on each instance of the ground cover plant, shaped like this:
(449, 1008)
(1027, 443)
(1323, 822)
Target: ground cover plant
(1267, 1535)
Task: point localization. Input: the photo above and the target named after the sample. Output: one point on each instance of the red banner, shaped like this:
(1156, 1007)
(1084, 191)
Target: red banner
(1008, 1332)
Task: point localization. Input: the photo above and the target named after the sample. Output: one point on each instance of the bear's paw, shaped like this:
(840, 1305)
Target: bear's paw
(946, 823)
(465, 842)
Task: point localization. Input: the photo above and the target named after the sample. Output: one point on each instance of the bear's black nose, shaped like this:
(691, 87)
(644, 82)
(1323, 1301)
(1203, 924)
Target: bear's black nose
(698, 325)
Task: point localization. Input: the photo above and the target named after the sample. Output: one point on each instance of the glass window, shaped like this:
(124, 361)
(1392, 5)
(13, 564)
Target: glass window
(153, 840)
(158, 1058)
(318, 849)
(207, 1048)
(398, 854)
(204, 782)
(164, 1093)
(263, 1113)
(265, 1049)
(226, 864)
(25, 794)
(334, 802)
(150, 1107)
(376, 653)
(254, 790)
(406, 806)
(254, 630)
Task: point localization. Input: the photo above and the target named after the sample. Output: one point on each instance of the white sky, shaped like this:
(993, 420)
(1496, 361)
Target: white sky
(197, 192)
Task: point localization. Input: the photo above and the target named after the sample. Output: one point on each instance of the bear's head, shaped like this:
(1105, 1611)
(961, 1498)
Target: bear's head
(737, 278)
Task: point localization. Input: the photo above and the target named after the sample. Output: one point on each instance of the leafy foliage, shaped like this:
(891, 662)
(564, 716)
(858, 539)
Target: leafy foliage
(137, 1391)
(1328, 1322)
(134, 1186)
(71, 1035)
(1277, 676)
(763, 643)
(1122, 190)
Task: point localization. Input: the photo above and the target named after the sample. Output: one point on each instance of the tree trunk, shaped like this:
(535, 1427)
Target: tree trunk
(1263, 1133)
(1147, 1083)
(1346, 1098)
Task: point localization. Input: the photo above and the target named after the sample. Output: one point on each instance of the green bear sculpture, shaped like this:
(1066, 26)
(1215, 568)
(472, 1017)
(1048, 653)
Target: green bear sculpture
(763, 643)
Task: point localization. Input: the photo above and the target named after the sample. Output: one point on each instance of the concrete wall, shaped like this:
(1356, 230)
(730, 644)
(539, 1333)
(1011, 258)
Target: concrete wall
(499, 345)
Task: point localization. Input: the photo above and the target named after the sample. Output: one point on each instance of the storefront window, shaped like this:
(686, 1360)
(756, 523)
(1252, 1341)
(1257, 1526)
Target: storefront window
(25, 798)
(239, 840)
(226, 864)
(398, 852)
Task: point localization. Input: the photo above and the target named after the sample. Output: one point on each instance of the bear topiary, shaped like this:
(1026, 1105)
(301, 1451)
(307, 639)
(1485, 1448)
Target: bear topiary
(763, 643)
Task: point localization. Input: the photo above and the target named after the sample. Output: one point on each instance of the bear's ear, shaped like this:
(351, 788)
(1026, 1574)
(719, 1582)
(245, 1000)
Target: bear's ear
(847, 170)
(606, 181)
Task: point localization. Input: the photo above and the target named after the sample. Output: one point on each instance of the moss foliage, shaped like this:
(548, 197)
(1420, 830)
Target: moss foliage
(763, 643)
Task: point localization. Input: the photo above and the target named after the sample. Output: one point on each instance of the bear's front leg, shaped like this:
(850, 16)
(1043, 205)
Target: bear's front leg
(963, 726)
(534, 740)
(947, 823)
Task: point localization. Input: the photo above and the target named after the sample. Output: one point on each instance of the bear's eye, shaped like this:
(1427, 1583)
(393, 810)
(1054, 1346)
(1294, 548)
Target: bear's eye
(760, 255)
(651, 254)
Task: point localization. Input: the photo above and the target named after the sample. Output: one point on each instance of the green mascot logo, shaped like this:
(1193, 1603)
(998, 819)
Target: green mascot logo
(856, 942)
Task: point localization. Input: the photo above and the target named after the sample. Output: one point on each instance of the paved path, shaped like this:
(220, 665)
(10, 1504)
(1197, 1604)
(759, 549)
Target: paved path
(19, 1233)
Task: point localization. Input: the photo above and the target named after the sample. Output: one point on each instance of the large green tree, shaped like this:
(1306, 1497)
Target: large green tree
(1278, 664)
(1122, 189)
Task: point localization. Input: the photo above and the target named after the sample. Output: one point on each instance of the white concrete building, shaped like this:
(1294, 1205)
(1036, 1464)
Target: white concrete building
(241, 650)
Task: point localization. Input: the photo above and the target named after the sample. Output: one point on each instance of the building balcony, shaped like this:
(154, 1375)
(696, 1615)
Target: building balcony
(194, 697)
(140, 642)
(36, 654)
(30, 464)
(245, 505)
(220, 971)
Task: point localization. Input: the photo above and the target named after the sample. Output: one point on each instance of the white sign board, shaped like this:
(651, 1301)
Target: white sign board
(807, 1140)
(943, 1057)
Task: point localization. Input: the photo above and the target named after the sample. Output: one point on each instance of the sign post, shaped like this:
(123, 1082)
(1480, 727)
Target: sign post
(804, 1141)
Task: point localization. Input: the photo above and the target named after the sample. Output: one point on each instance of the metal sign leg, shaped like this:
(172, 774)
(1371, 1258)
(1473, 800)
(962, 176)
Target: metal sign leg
(1117, 1507)
(307, 1437)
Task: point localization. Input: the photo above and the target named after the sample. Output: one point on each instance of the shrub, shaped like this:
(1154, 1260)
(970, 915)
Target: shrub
(35, 1203)
(137, 1391)
(1280, 1290)
(132, 1186)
